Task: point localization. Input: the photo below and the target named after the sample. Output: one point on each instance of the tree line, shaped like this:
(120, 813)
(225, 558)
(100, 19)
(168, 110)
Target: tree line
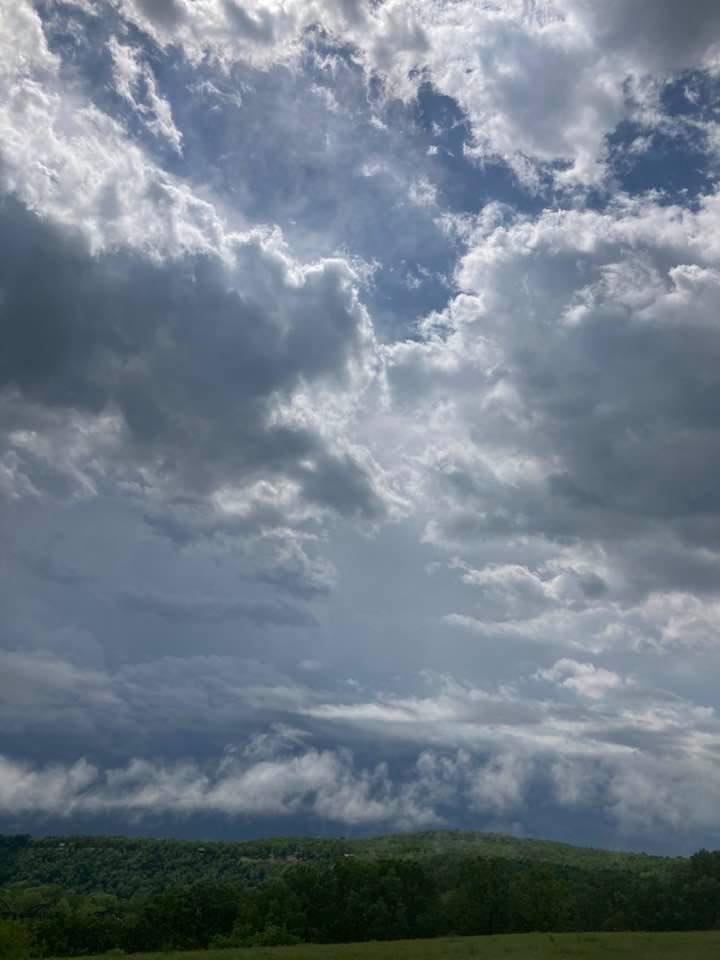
(351, 899)
(128, 866)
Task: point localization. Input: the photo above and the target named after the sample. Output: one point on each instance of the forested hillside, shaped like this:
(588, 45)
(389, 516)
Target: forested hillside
(73, 896)
(126, 867)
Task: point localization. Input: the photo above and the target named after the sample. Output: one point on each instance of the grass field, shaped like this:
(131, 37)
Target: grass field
(563, 946)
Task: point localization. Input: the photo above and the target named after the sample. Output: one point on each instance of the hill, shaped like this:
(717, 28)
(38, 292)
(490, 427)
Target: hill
(79, 896)
(125, 866)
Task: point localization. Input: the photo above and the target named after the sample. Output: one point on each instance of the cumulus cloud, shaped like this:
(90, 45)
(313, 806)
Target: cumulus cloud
(321, 783)
(256, 354)
(640, 794)
(52, 788)
(576, 412)
(596, 69)
(252, 339)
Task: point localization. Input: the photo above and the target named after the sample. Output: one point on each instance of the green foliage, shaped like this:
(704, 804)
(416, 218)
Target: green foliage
(335, 896)
(10, 849)
(14, 940)
(127, 867)
(273, 935)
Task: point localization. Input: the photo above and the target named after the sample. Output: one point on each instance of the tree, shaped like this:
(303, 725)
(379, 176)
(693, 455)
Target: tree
(14, 940)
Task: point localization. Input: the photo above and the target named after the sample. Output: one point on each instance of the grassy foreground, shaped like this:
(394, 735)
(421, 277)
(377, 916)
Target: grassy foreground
(539, 946)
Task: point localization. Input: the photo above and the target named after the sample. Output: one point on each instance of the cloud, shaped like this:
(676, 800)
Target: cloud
(294, 572)
(131, 76)
(500, 786)
(149, 702)
(320, 783)
(38, 791)
(462, 747)
(242, 369)
(665, 623)
(288, 343)
(584, 678)
(649, 30)
(514, 592)
(183, 361)
(567, 397)
(183, 405)
(595, 69)
(213, 610)
(640, 795)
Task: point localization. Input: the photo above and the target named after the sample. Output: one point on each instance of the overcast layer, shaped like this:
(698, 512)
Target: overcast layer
(360, 418)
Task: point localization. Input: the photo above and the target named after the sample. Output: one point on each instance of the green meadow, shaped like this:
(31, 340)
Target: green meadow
(544, 946)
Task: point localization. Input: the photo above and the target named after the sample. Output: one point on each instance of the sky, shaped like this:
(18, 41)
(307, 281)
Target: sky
(360, 418)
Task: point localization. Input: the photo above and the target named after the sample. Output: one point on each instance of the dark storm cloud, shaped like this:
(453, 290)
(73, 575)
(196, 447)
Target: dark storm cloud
(192, 359)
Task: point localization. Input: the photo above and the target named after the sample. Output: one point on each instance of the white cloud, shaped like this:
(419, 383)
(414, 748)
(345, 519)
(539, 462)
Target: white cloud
(487, 56)
(320, 783)
(513, 592)
(54, 788)
(565, 399)
(584, 678)
(135, 82)
(500, 785)
(325, 784)
(640, 793)
(67, 159)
